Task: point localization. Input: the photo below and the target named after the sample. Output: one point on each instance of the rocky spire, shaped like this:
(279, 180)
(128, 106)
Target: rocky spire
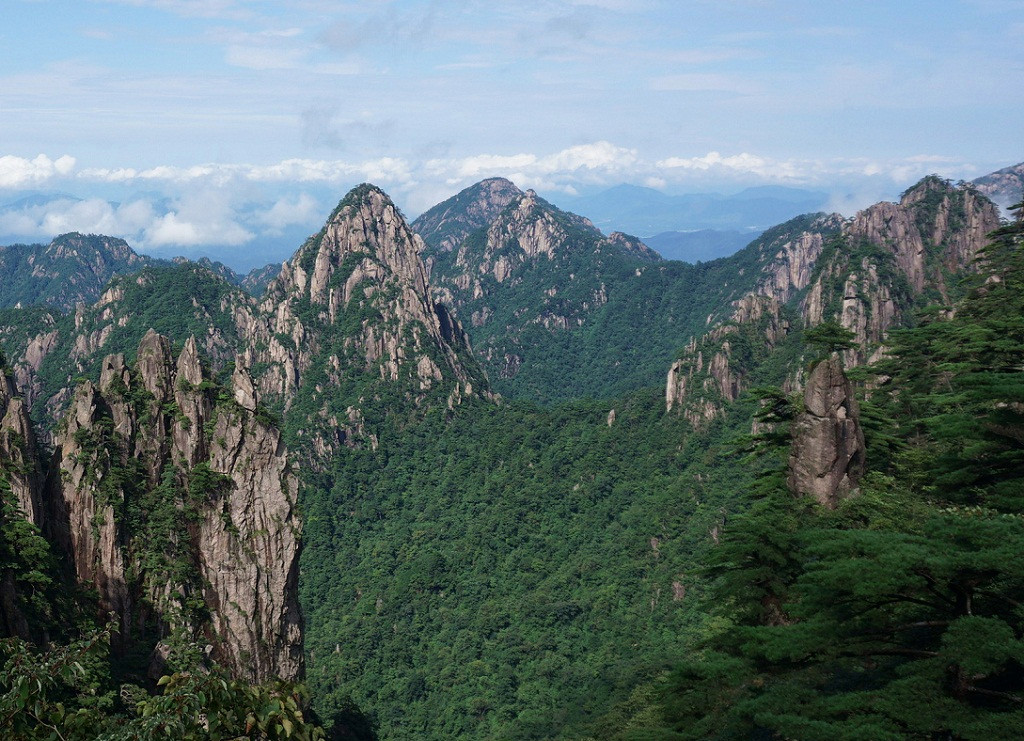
(827, 455)
(170, 492)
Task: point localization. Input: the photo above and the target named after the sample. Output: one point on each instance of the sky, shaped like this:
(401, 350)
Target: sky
(187, 125)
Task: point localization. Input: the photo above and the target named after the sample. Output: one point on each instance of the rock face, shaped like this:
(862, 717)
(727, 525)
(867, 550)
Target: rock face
(1005, 187)
(21, 489)
(447, 224)
(348, 323)
(19, 453)
(895, 257)
(868, 273)
(827, 456)
(713, 370)
(178, 506)
(350, 313)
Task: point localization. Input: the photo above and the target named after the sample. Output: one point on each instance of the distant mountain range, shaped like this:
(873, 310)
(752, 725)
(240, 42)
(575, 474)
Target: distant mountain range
(700, 245)
(645, 211)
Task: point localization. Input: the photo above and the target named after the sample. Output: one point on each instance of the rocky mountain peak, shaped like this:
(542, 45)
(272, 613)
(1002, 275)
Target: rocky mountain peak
(353, 306)
(73, 268)
(1005, 187)
(633, 246)
(94, 248)
(444, 226)
(155, 363)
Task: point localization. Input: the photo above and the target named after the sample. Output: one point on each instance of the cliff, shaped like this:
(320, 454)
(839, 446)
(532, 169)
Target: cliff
(827, 455)
(19, 452)
(177, 504)
(896, 257)
(869, 273)
(714, 369)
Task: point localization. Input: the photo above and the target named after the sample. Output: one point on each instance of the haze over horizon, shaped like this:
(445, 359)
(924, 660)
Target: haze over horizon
(187, 124)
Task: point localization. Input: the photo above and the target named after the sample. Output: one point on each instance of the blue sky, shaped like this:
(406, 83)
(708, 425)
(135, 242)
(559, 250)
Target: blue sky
(188, 123)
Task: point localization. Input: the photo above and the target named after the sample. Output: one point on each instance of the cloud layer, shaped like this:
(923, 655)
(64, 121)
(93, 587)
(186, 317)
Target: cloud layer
(231, 205)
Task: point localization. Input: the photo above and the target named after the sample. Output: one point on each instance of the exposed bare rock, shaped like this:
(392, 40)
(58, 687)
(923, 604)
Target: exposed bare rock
(19, 463)
(197, 495)
(633, 246)
(1005, 187)
(827, 455)
(888, 260)
(446, 225)
(244, 388)
(790, 271)
(707, 375)
(363, 271)
(934, 231)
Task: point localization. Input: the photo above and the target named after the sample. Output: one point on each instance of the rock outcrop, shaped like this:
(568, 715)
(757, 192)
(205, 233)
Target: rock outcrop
(827, 455)
(1005, 187)
(19, 453)
(351, 319)
(178, 507)
(895, 257)
(868, 273)
(447, 224)
(714, 369)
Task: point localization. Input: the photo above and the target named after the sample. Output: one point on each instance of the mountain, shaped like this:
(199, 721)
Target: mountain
(1005, 187)
(879, 591)
(554, 308)
(646, 211)
(701, 245)
(643, 565)
(172, 492)
(447, 224)
(884, 264)
(257, 279)
(74, 268)
(351, 310)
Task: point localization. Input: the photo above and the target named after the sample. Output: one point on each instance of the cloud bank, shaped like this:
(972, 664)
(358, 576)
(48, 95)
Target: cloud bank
(231, 205)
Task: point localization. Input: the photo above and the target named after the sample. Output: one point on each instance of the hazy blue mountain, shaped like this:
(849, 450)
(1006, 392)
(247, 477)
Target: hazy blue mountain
(701, 245)
(638, 210)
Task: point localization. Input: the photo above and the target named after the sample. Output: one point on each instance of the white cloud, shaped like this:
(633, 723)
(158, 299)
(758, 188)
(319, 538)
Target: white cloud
(233, 203)
(599, 156)
(90, 216)
(303, 209)
(17, 172)
(742, 164)
(202, 216)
